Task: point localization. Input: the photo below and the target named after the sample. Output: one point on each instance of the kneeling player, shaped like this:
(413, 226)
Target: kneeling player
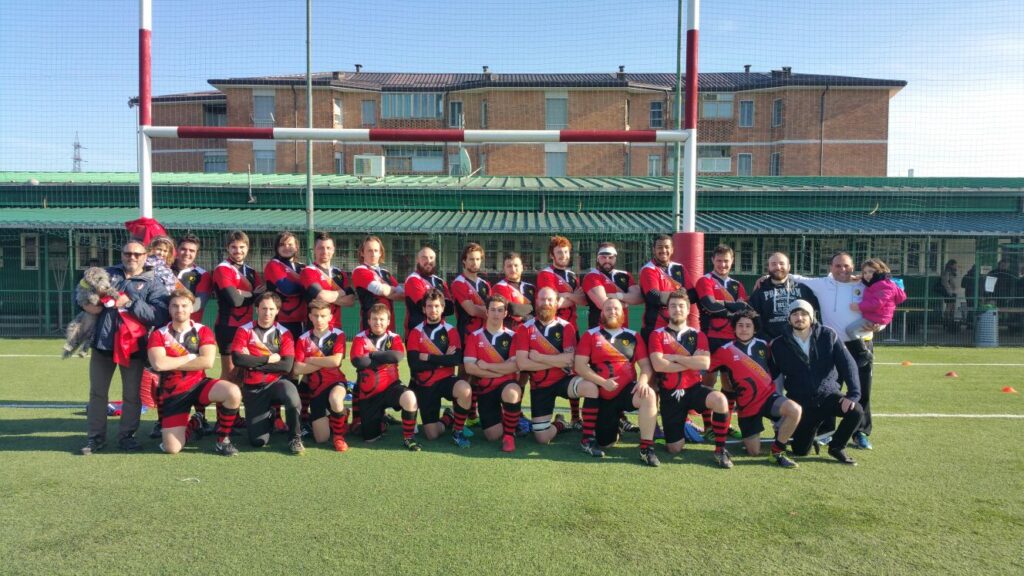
(680, 353)
(318, 356)
(434, 352)
(265, 351)
(746, 361)
(376, 353)
(181, 352)
(490, 356)
(545, 349)
(608, 356)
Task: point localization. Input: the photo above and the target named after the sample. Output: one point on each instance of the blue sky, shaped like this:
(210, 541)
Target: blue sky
(71, 66)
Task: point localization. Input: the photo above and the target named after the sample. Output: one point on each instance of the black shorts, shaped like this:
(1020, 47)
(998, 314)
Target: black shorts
(320, 405)
(371, 410)
(542, 400)
(488, 406)
(716, 343)
(175, 410)
(428, 398)
(771, 409)
(225, 335)
(608, 413)
(675, 410)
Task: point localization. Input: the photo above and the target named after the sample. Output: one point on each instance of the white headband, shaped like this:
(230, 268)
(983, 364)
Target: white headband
(607, 251)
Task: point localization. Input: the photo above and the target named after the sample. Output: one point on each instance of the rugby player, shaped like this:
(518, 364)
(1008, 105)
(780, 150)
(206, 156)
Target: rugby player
(418, 283)
(318, 356)
(435, 349)
(375, 354)
(265, 351)
(234, 284)
(490, 357)
(181, 352)
(519, 293)
(746, 359)
(565, 282)
(608, 356)
(324, 282)
(374, 284)
(282, 274)
(658, 278)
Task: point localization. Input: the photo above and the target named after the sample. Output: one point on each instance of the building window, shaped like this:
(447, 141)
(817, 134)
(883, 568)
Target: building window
(414, 159)
(339, 162)
(714, 159)
(744, 164)
(263, 110)
(775, 166)
(406, 105)
(628, 106)
(93, 250)
(554, 163)
(30, 251)
(483, 113)
(654, 165)
(777, 112)
(265, 161)
(455, 117)
(716, 106)
(556, 113)
(369, 113)
(215, 115)
(215, 162)
(746, 113)
(657, 114)
(339, 116)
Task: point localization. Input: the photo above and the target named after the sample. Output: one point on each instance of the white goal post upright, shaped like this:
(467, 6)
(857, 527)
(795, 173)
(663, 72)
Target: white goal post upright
(145, 108)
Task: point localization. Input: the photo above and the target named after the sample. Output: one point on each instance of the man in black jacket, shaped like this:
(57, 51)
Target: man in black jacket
(813, 363)
(774, 294)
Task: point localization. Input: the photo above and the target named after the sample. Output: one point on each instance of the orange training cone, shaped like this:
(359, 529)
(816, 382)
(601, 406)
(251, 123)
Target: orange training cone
(952, 374)
(1009, 390)
(906, 363)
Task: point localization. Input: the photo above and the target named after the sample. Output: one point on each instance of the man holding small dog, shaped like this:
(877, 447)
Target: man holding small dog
(142, 299)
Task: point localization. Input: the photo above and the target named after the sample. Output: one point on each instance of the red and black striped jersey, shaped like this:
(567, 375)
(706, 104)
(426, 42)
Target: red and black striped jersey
(309, 345)
(555, 338)
(715, 322)
(177, 345)
(475, 291)
(655, 279)
(363, 278)
(686, 342)
(616, 281)
(563, 281)
(613, 354)
(521, 292)
(334, 280)
(200, 283)
(493, 349)
(748, 366)
(376, 379)
(255, 340)
(416, 287)
(282, 276)
(240, 277)
(435, 340)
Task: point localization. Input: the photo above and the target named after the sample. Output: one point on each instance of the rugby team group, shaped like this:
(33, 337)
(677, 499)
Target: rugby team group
(796, 352)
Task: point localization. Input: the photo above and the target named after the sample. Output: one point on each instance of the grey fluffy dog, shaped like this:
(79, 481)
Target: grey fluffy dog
(94, 288)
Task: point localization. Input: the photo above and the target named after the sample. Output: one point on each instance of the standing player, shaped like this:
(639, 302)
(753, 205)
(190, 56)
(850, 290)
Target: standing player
(470, 292)
(746, 359)
(374, 284)
(376, 353)
(519, 293)
(680, 353)
(282, 274)
(435, 349)
(181, 352)
(265, 351)
(234, 283)
(545, 350)
(490, 356)
(421, 281)
(318, 356)
(197, 280)
(604, 282)
(324, 282)
(565, 282)
(608, 356)
(659, 278)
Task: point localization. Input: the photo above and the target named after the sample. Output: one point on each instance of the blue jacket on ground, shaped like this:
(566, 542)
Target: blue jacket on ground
(808, 380)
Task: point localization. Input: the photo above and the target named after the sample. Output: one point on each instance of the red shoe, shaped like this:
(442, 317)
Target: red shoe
(339, 444)
(280, 425)
(508, 443)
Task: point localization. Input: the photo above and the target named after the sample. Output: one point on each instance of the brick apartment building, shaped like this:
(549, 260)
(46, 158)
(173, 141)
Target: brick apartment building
(751, 123)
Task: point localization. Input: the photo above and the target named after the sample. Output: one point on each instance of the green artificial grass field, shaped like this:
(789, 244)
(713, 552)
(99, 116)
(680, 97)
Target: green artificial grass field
(936, 496)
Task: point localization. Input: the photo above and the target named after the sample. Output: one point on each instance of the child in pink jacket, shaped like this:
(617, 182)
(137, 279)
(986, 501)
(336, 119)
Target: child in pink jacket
(878, 304)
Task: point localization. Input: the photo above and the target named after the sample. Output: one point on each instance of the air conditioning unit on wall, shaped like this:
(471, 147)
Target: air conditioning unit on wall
(369, 166)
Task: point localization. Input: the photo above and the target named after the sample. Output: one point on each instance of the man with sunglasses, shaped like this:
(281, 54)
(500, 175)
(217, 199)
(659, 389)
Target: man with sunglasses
(142, 299)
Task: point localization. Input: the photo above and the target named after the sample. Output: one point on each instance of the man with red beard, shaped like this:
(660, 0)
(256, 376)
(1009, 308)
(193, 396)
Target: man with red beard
(421, 281)
(608, 356)
(545, 351)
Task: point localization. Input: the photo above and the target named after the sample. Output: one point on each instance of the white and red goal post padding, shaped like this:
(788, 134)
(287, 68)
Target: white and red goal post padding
(417, 135)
